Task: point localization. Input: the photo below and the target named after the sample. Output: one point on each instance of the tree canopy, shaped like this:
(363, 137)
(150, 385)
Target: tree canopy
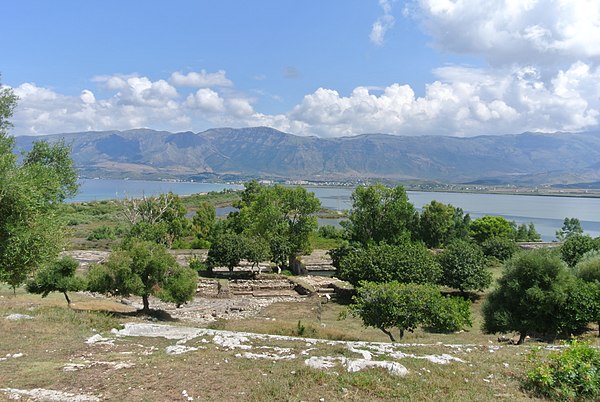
(31, 232)
(381, 214)
(440, 223)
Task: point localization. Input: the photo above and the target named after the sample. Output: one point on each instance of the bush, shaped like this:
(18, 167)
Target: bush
(330, 232)
(575, 247)
(197, 265)
(101, 233)
(567, 375)
(530, 295)
(406, 263)
(588, 267)
(464, 267)
(451, 314)
(501, 248)
(406, 306)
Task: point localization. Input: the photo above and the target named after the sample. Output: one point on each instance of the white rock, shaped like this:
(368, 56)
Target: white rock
(16, 317)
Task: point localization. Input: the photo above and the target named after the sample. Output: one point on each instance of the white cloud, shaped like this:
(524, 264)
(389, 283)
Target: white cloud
(382, 24)
(206, 99)
(507, 32)
(200, 79)
(462, 101)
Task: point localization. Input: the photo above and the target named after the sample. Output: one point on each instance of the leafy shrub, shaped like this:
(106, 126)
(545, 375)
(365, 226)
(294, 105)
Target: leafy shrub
(570, 374)
(197, 265)
(464, 267)
(575, 247)
(501, 248)
(101, 233)
(588, 267)
(200, 244)
(530, 295)
(407, 306)
(451, 314)
(330, 232)
(406, 262)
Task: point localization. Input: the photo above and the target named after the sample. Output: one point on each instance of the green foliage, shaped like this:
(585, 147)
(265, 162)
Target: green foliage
(501, 248)
(407, 306)
(58, 276)
(31, 231)
(490, 226)
(381, 214)
(158, 219)
(179, 286)
(530, 295)
(143, 269)
(405, 262)
(226, 250)
(526, 232)
(464, 267)
(575, 246)
(101, 233)
(450, 314)
(581, 307)
(204, 220)
(256, 250)
(588, 267)
(197, 265)
(570, 374)
(282, 216)
(440, 223)
(571, 227)
(330, 232)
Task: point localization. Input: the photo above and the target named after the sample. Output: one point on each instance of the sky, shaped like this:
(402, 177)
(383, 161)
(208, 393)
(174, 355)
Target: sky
(323, 68)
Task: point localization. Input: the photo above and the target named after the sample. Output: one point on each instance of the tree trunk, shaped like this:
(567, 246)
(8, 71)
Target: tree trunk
(146, 303)
(388, 333)
(522, 336)
(67, 298)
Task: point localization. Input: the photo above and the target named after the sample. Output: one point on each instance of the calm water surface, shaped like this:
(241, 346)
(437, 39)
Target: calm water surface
(547, 213)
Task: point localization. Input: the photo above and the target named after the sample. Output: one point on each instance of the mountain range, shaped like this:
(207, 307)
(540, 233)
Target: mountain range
(261, 152)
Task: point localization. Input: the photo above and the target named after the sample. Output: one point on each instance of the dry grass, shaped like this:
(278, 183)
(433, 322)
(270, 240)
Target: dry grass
(56, 336)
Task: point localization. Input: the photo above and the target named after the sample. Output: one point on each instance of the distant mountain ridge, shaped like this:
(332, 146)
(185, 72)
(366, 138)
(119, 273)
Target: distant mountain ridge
(528, 158)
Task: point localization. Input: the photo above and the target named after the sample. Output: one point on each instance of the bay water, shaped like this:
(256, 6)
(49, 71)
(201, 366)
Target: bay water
(546, 212)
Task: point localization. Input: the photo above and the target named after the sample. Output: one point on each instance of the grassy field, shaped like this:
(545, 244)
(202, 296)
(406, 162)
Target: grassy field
(139, 369)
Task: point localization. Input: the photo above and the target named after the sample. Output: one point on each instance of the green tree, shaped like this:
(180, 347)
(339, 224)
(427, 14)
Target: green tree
(31, 231)
(283, 216)
(588, 270)
(588, 267)
(530, 295)
(526, 232)
(464, 267)
(405, 262)
(381, 214)
(256, 250)
(571, 227)
(501, 248)
(405, 307)
(204, 220)
(144, 269)
(440, 223)
(491, 226)
(58, 276)
(159, 219)
(575, 246)
(226, 250)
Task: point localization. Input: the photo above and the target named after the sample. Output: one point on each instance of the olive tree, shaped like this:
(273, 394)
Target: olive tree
(530, 295)
(407, 306)
(464, 267)
(58, 276)
(440, 223)
(405, 262)
(31, 190)
(144, 269)
(381, 214)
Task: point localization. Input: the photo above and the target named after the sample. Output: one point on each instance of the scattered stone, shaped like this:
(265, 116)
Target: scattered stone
(354, 365)
(99, 339)
(17, 317)
(47, 395)
(179, 349)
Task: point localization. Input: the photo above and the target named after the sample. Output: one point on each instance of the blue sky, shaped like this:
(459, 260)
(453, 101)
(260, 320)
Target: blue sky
(325, 68)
